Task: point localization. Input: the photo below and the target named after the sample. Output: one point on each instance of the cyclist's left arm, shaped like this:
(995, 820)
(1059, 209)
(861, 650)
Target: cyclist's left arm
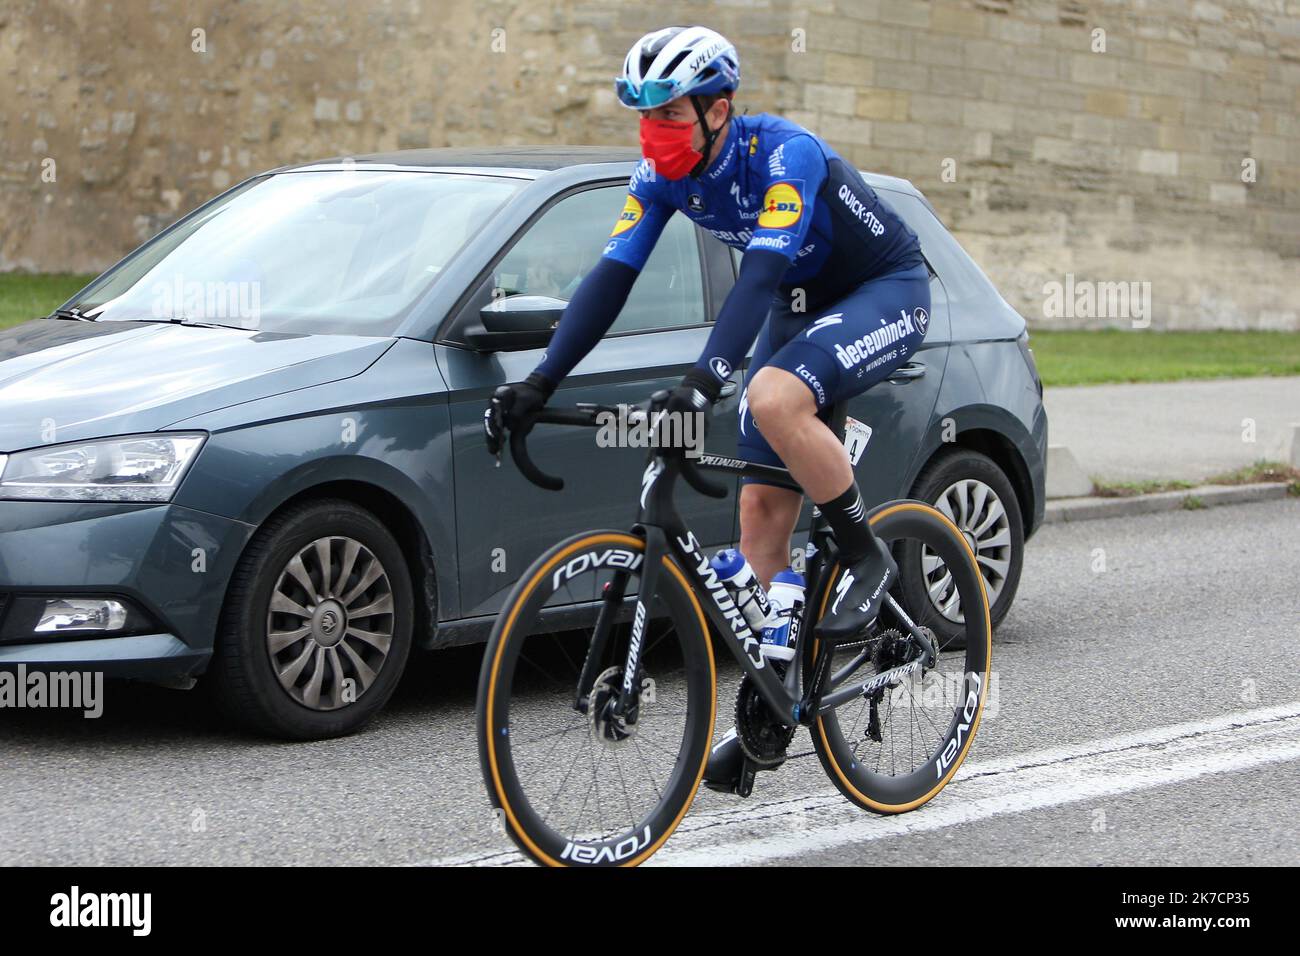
(792, 183)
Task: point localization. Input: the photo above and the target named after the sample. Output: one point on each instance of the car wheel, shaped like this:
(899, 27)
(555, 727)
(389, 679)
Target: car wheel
(977, 496)
(316, 627)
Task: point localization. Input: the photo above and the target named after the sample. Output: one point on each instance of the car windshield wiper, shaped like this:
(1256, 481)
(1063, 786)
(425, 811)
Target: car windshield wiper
(73, 313)
(191, 323)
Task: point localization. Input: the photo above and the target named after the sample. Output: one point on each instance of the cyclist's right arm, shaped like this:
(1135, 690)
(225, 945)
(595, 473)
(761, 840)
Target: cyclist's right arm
(603, 291)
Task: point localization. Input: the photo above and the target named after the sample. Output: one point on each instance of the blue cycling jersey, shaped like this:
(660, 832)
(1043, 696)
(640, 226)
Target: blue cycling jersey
(813, 231)
(775, 186)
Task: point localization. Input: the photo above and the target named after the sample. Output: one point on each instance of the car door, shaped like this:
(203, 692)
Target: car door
(503, 521)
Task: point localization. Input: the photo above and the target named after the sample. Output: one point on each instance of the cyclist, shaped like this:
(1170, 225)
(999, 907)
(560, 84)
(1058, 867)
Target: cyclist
(837, 269)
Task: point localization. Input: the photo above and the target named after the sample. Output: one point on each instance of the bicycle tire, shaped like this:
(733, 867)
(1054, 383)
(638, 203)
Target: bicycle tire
(887, 793)
(525, 826)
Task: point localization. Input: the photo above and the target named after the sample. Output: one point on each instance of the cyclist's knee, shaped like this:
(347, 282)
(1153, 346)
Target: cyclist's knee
(777, 397)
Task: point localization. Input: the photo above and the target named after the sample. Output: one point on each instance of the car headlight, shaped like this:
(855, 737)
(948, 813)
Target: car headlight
(141, 468)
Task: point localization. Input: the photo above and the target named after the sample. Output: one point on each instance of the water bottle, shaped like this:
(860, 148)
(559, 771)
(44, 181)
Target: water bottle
(781, 635)
(740, 578)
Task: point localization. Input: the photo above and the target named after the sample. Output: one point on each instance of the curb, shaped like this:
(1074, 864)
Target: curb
(1086, 509)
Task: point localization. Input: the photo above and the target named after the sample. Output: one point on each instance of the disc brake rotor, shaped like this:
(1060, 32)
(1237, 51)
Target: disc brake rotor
(606, 728)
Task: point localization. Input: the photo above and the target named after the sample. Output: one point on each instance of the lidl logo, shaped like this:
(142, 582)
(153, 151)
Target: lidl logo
(753, 144)
(629, 217)
(782, 207)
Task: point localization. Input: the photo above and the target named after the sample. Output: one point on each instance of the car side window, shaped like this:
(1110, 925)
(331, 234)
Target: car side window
(962, 278)
(567, 241)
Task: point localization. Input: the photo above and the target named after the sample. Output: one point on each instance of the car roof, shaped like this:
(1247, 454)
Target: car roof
(528, 162)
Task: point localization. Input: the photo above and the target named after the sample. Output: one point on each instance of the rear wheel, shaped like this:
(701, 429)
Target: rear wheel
(577, 786)
(894, 749)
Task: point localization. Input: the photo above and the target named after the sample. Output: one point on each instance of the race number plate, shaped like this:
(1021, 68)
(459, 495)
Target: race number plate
(856, 436)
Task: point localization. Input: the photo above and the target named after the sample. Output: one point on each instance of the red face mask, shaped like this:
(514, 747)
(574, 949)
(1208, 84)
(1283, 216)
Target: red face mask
(667, 144)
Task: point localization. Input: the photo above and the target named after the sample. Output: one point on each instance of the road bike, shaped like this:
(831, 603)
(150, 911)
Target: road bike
(593, 739)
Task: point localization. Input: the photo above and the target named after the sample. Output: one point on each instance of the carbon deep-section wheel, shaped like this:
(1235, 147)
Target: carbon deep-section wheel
(601, 776)
(893, 747)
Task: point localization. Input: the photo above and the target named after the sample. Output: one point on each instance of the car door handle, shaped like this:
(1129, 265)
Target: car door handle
(906, 373)
(728, 388)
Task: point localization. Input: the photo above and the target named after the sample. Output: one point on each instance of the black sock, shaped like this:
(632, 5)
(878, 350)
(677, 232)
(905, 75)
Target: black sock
(848, 520)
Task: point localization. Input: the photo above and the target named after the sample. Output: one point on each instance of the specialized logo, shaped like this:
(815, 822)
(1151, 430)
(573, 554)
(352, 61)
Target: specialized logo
(634, 647)
(842, 588)
(719, 461)
(744, 408)
(782, 207)
(629, 217)
(921, 318)
(721, 367)
(695, 202)
(652, 471)
(833, 319)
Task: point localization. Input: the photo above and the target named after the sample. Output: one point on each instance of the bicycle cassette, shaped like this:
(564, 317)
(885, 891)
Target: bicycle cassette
(763, 739)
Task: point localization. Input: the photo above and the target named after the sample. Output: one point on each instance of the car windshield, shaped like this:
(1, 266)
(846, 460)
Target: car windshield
(345, 251)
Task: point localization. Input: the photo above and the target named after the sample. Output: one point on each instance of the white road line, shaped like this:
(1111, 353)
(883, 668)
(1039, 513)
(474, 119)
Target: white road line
(760, 832)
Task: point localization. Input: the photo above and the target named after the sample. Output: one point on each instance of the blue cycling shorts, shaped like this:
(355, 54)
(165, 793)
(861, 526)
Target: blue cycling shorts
(841, 350)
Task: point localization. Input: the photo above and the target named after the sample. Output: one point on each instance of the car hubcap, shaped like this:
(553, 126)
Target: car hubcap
(978, 513)
(330, 625)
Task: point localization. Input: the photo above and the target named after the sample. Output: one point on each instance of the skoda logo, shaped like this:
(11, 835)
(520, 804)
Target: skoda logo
(328, 622)
(921, 318)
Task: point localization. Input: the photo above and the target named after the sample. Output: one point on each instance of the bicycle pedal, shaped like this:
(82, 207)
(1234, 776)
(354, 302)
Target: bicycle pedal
(745, 785)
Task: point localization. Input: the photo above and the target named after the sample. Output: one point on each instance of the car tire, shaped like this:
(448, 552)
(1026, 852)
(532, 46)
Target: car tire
(327, 681)
(970, 488)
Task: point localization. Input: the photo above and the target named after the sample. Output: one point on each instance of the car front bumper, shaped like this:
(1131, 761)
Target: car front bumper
(169, 562)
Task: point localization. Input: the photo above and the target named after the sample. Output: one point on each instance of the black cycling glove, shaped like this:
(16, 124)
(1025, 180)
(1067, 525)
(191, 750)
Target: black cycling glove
(514, 405)
(696, 393)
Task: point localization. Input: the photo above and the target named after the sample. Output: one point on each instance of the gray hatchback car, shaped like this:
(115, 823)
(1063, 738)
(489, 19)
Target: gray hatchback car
(252, 451)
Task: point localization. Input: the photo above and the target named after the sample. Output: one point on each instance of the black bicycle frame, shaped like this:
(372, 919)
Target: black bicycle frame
(665, 533)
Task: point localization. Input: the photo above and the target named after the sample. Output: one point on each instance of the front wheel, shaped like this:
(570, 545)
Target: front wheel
(573, 781)
(893, 749)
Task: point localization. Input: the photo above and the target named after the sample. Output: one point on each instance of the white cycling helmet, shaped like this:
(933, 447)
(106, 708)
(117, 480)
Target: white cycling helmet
(677, 61)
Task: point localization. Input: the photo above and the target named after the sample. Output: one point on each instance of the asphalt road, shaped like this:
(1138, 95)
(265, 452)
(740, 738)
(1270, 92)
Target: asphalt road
(1146, 713)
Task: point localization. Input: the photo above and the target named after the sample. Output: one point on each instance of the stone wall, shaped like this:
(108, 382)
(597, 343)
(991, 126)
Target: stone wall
(1074, 142)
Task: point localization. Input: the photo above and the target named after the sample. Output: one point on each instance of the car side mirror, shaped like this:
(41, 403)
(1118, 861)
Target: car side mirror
(516, 322)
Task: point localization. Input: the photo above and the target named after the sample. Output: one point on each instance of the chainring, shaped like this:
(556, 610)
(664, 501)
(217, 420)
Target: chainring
(761, 737)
